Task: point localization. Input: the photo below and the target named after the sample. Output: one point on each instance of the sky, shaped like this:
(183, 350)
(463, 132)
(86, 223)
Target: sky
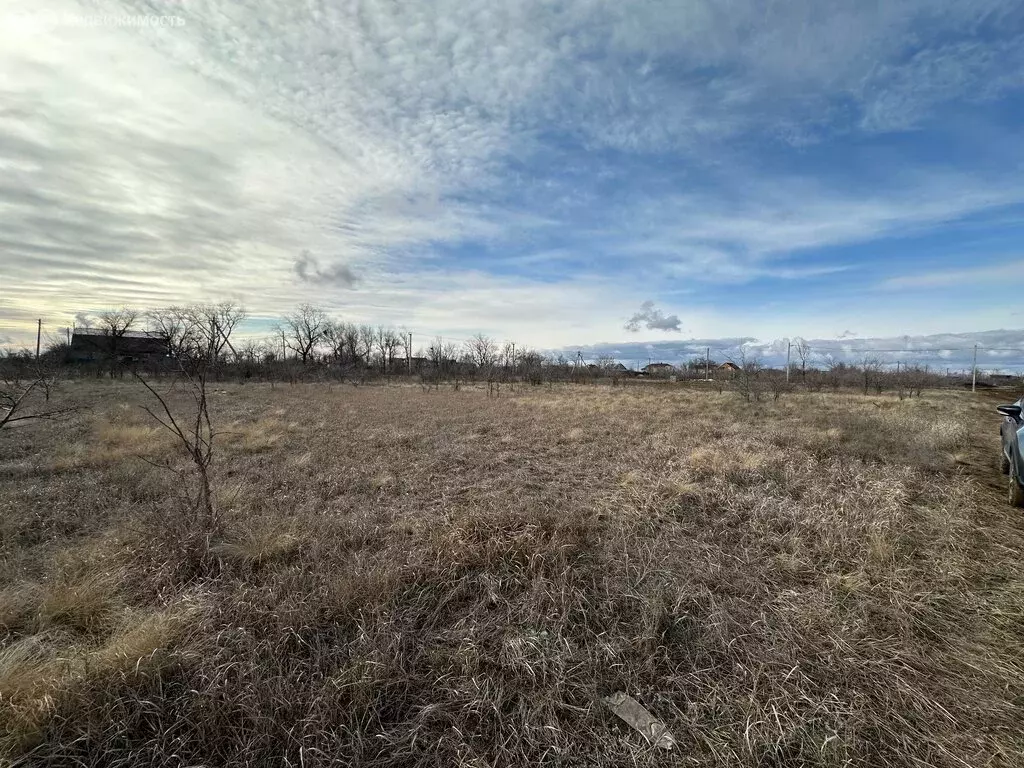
(577, 174)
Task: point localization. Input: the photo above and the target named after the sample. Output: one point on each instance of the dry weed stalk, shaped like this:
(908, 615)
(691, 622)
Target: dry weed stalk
(196, 438)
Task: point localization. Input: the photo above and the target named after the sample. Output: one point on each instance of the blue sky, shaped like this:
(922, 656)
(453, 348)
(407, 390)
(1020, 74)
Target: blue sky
(539, 172)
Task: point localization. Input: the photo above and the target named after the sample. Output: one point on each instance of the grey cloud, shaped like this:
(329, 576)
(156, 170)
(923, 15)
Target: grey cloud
(308, 268)
(652, 319)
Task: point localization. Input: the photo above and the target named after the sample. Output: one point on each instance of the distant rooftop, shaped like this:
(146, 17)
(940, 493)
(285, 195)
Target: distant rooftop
(126, 334)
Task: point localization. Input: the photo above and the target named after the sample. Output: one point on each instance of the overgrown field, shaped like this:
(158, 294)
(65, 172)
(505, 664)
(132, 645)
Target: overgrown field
(439, 578)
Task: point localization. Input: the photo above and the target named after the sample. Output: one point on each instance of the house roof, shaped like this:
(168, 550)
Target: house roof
(100, 332)
(90, 341)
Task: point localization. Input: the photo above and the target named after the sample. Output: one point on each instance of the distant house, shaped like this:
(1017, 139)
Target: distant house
(1003, 378)
(658, 369)
(731, 367)
(91, 345)
(609, 369)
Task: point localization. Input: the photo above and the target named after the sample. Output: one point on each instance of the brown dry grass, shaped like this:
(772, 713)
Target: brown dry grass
(438, 578)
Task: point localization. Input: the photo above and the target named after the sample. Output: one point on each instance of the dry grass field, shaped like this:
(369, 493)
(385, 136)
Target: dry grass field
(438, 578)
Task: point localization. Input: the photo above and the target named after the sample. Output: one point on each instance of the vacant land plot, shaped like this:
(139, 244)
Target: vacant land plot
(440, 578)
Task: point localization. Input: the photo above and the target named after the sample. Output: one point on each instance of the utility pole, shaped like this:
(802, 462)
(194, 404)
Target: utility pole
(789, 349)
(974, 370)
(707, 364)
(408, 354)
(39, 337)
(68, 329)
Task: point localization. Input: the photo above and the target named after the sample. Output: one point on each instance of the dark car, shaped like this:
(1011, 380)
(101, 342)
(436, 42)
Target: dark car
(1012, 458)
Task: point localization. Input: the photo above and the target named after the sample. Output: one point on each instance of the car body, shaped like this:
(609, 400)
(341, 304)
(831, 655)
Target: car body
(1011, 460)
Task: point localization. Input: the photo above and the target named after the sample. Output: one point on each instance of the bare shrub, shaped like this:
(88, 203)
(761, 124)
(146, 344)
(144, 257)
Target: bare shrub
(21, 385)
(747, 379)
(186, 533)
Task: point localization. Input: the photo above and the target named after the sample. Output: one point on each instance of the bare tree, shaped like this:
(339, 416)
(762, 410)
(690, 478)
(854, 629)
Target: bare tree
(351, 334)
(215, 323)
(532, 366)
(482, 351)
(443, 358)
(803, 353)
(747, 378)
(200, 331)
(872, 374)
(303, 330)
(776, 382)
(390, 345)
(115, 324)
(365, 341)
(334, 337)
(436, 353)
(176, 326)
(380, 341)
(387, 342)
(58, 347)
(833, 371)
(251, 351)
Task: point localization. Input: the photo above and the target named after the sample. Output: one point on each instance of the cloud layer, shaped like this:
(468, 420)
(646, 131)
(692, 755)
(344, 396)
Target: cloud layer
(431, 163)
(996, 350)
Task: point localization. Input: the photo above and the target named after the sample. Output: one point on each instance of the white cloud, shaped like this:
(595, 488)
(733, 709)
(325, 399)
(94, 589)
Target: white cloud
(760, 230)
(1000, 273)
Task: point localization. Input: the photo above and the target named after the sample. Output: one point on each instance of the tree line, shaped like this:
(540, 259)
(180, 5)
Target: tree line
(310, 343)
(308, 338)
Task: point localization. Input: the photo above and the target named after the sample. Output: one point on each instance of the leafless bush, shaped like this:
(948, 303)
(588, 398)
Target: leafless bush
(186, 533)
(748, 378)
(776, 383)
(22, 381)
